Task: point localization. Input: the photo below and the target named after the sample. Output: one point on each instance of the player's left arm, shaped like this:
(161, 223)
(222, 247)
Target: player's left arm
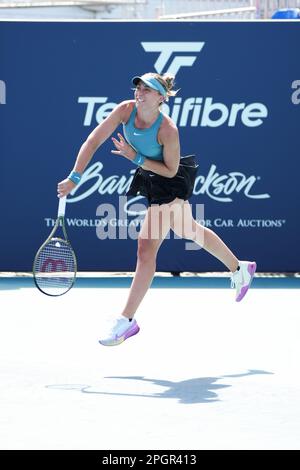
(169, 139)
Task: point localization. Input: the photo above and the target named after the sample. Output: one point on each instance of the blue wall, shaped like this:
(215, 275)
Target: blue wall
(238, 110)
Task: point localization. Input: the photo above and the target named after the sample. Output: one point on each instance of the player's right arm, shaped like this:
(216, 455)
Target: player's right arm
(96, 138)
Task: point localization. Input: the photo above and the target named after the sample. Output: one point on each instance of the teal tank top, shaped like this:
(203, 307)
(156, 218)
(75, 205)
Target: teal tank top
(144, 141)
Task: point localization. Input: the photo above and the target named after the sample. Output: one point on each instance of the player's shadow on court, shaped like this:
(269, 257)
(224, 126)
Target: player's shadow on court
(198, 390)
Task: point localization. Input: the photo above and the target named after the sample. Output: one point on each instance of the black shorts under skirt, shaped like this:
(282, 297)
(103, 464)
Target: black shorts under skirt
(162, 190)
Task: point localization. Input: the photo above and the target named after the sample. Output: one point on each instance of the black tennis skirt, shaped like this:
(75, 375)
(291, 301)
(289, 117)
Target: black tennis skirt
(162, 190)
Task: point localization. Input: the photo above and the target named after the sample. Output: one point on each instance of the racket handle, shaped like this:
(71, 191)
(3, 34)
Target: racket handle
(62, 206)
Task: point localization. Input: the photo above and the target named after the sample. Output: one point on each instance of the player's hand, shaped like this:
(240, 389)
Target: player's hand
(123, 148)
(65, 187)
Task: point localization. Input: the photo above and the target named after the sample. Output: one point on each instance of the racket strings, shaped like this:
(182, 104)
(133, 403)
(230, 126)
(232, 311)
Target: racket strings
(55, 267)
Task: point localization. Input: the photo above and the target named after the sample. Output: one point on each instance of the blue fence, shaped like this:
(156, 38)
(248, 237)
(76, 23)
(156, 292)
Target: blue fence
(238, 110)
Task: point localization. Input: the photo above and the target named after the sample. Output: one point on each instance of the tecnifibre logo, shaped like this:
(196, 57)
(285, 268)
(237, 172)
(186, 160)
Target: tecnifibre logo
(200, 111)
(193, 111)
(2, 92)
(166, 49)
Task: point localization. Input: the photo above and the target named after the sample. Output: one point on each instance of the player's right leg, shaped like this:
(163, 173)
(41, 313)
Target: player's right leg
(155, 227)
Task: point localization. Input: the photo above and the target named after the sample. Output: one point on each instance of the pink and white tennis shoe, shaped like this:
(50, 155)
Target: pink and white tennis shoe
(242, 278)
(121, 330)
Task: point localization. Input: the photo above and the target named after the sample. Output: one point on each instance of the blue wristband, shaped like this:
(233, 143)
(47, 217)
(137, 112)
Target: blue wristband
(75, 177)
(139, 159)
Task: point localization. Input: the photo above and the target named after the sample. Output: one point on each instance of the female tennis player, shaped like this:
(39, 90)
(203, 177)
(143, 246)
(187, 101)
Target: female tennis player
(152, 143)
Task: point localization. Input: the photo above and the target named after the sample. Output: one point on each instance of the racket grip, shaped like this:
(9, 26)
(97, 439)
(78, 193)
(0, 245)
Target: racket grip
(62, 206)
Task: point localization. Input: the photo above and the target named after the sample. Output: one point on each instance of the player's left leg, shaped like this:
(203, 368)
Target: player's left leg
(185, 226)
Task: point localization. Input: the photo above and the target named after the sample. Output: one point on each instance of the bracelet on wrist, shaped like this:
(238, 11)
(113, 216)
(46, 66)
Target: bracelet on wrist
(139, 159)
(75, 177)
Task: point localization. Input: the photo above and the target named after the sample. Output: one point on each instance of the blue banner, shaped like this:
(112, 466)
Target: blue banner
(237, 109)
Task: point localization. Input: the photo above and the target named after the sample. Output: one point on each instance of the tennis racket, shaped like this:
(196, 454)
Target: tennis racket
(55, 265)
